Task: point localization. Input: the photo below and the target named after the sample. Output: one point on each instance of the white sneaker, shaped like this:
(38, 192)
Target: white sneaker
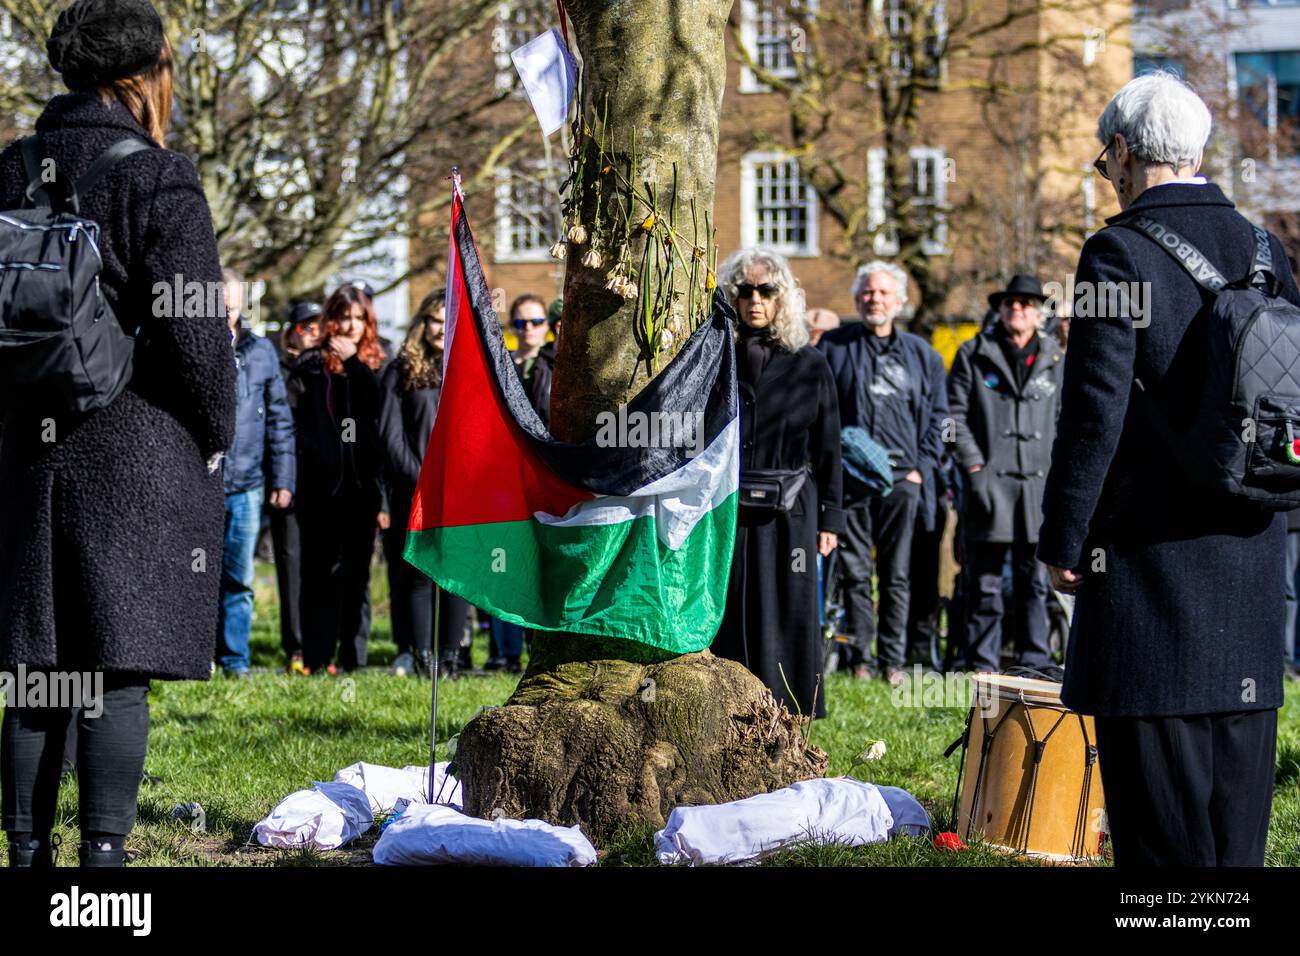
(403, 666)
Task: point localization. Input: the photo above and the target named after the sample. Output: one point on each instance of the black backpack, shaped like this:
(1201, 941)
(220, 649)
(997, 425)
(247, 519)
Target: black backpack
(1245, 436)
(61, 347)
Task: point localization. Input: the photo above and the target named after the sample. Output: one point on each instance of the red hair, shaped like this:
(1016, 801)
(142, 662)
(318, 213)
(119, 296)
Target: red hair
(336, 312)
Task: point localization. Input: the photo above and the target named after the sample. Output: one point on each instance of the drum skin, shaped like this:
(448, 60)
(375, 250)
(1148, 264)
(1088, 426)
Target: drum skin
(1066, 799)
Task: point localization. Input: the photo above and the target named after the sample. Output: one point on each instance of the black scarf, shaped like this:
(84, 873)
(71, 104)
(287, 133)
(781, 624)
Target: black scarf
(754, 352)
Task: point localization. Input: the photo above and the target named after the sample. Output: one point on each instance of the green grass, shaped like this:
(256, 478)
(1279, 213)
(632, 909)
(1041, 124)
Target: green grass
(238, 747)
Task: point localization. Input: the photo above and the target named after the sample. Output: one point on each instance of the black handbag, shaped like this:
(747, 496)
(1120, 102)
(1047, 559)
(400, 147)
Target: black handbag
(771, 489)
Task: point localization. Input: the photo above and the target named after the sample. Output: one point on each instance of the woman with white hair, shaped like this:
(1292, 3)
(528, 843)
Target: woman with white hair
(789, 483)
(1177, 631)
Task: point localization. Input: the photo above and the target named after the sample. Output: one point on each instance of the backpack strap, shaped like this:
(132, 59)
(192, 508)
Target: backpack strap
(36, 193)
(1192, 260)
(103, 163)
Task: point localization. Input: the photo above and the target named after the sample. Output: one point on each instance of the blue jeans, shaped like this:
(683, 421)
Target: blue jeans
(508, 638)
(243, 520)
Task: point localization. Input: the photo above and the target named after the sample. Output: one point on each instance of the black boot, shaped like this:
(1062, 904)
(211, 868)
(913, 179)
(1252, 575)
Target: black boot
(28, 853)
(101, 852)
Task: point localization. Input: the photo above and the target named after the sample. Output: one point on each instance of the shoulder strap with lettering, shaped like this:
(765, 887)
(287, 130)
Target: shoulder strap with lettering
(1183, 252)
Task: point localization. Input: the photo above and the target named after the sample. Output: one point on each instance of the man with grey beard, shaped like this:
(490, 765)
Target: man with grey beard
(890, 383)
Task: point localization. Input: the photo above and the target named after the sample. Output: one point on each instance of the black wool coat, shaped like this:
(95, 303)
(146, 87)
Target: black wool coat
(405, 423)
(1006, 429)
(788, 419)
(1181, 611)
(111, 535)
(323, 404)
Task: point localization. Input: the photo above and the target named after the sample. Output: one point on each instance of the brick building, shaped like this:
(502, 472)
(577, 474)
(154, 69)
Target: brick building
(1008, 178)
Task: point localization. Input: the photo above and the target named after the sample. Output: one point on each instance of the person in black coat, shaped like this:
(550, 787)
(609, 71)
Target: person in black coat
(1177, 630)
(409, 388)
(1004, 393)
(890, 383)
(334, 393)
(789, 431)
(301, 332)
(111, 535)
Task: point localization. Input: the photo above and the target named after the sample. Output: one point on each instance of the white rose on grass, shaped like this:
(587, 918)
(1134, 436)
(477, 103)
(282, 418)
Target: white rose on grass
(875, 751)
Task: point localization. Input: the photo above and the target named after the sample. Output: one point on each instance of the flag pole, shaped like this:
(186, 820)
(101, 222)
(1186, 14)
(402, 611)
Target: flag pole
(433, 670)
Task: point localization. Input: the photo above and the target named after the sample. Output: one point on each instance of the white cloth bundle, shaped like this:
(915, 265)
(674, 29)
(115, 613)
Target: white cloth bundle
(326, 817)
(425, 834)
(330, 815)
(837, 810)
(384, 786)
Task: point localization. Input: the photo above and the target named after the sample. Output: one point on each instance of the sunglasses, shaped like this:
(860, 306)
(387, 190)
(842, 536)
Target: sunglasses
(746, 290)
(1099, 163)
(522, 324)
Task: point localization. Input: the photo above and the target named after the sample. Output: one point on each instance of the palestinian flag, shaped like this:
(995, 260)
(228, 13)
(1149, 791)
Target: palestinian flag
(627, 535)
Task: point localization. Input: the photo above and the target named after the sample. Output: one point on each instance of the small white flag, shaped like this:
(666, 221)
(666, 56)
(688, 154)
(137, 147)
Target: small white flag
(547, 70)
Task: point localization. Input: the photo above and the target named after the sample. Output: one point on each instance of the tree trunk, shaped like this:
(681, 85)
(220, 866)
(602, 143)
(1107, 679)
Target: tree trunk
(602, 732)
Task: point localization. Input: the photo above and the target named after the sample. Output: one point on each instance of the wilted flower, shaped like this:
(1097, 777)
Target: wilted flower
(648, 223)
(578, 234)
(698, 252)
(710, 280)
(560, 250)
(592, 259)
(666, 338)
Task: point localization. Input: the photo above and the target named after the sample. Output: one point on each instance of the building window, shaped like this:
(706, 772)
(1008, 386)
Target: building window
(777, 208)
(769, 34)
(527, 214)
(1268, 85)
(517, 22)
(897, 16)
(929, 185)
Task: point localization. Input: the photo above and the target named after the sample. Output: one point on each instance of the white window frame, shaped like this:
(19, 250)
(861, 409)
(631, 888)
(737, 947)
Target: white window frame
(749, 83)
(749, 164)
(885, 244)
(503, 251)
(503, 44)
(940, 32)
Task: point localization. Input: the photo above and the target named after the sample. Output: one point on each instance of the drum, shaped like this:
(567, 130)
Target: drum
(1030, 782)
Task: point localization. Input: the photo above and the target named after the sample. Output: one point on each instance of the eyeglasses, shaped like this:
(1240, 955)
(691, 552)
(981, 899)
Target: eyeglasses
(746, 290)
(522, 324)
(1099, 163)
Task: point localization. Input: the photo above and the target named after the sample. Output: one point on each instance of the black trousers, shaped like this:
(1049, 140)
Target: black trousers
(1188, 791)
(885, 524)
(923, 598)
(110, 761)
(338, 543)
(986, 614)
(286, 540)
(413, 595)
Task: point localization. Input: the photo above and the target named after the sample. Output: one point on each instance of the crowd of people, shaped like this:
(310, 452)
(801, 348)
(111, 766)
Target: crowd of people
(862, 443)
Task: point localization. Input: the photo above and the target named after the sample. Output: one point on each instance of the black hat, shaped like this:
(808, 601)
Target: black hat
(303, 312)
(1021, 286)
(95, 42)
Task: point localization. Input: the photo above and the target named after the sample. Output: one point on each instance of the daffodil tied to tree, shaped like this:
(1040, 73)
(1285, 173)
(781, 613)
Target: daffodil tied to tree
(670, 279)
(638, 202)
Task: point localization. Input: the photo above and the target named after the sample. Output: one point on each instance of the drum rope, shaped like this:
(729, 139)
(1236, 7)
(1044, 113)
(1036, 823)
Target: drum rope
(1039, 747)
(1080, 823)
(981, 777)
